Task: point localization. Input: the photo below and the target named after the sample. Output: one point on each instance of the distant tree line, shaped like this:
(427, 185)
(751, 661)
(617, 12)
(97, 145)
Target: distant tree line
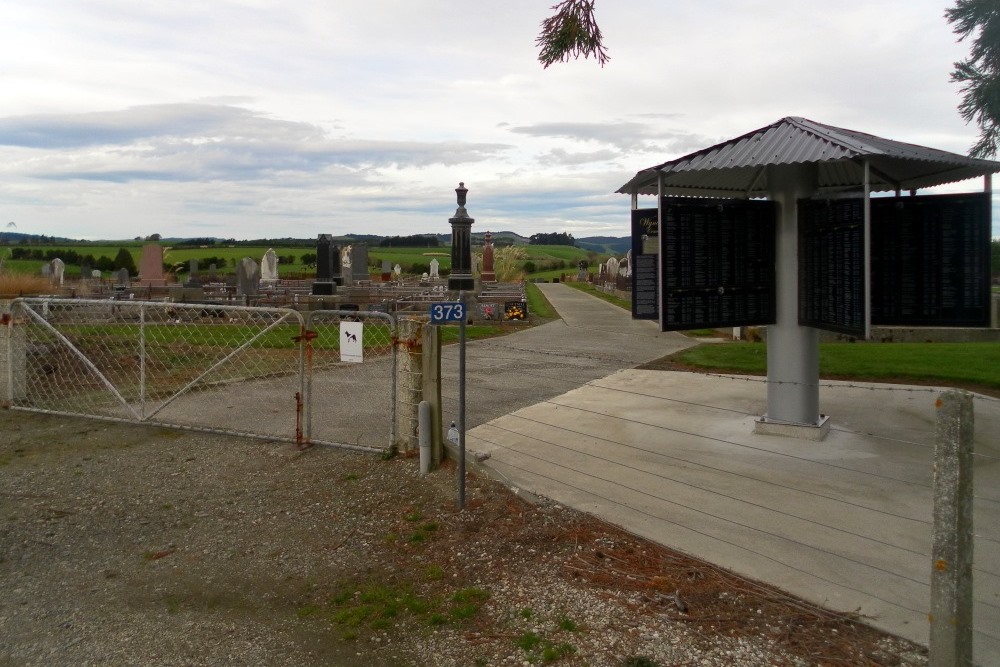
(123, 260)
(413, 241)
(556, 238)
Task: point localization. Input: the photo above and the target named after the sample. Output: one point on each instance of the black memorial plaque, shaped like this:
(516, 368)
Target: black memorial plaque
(718, 263)
(931, 260)
(832, 265)
(645, 253)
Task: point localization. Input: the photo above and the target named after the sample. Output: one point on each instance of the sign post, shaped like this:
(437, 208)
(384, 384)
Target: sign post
(454, 311)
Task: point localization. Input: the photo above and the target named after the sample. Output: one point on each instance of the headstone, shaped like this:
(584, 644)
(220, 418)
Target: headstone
(46, 270)
(248, 277)
(269, 266)
(386, 270)
(122, 277)
(346, 272)
(612, 272)
(192, 273)
(397, 271)
(488, 275)
(434, 269)
(58, 268)
(359, 262)
(84, 269)
(95, 274)
(461, 245)
(581, 273)
(151, 265)
(324, 258)
(327, 266)
(212, 272)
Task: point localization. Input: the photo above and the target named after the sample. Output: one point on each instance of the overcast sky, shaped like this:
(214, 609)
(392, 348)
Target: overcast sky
(259, 118)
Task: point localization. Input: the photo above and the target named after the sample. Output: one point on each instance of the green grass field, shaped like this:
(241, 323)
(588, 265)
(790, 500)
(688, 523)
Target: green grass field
(552, 260)
(973, 365)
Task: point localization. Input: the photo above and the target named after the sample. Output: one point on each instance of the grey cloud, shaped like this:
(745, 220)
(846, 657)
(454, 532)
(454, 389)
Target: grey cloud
(560, 157)
(626, 136)
(181, 142)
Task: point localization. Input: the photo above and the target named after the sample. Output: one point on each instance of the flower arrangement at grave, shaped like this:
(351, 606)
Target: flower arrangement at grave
(515, 310)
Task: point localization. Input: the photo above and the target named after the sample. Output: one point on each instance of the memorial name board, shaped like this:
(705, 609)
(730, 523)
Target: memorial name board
(930, 258)
(645, 258)
(832, 265)
(717, 263)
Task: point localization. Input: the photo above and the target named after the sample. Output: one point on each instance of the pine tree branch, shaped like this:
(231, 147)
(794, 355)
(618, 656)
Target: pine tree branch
(572, 31)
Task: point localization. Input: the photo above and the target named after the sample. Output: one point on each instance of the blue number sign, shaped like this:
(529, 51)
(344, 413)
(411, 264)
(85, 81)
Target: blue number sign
(448, 311)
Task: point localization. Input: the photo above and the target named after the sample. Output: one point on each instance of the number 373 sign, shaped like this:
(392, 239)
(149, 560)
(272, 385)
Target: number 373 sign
(447, 311)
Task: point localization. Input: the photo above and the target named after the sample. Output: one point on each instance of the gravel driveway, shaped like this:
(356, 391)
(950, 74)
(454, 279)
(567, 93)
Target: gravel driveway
(128, 545)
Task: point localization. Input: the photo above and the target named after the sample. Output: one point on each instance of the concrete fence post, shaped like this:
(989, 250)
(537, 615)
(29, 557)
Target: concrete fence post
(408, 383)
(951, 571)
(431, 389)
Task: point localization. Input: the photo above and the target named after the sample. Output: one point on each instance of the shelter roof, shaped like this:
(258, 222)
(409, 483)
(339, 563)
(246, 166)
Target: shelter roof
(738, 167)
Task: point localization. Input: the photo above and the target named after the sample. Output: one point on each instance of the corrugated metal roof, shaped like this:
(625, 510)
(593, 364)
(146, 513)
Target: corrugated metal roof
(738, 167)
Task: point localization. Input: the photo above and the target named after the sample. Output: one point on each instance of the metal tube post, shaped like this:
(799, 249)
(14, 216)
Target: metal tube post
(461, 403)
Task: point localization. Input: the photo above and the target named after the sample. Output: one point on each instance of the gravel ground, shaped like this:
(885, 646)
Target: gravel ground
(124, 545)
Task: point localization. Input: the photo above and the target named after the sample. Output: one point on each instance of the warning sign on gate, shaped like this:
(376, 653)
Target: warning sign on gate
(351, 342)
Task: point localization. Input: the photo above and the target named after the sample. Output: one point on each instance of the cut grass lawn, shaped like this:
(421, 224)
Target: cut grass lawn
(971, 365)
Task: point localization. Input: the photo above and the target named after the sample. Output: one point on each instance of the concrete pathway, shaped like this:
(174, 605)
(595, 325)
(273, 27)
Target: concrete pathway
(845, 523)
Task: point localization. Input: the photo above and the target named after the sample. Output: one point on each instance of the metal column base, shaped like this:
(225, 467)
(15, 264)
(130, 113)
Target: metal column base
(817, 432)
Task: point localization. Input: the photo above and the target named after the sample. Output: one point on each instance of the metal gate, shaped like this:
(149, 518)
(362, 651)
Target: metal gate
(206, 367)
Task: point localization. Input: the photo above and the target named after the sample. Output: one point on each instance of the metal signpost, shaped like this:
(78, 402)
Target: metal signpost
(454, 311)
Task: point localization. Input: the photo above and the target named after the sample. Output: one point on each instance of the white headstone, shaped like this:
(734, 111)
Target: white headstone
(269, 266)
(612, 268)
(95, 274)
(345, 258)
(397, 271)
(434, 268)
(58, 268)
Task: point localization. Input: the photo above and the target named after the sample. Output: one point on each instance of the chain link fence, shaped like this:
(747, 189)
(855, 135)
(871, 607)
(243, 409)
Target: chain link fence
(227, 369)
(351, 378)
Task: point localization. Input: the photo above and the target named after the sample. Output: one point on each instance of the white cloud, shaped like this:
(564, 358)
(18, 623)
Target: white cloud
(254, 117)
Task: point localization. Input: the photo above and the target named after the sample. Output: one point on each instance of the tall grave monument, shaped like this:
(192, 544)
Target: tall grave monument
(327, 266)
(488, 275)
(461, 245)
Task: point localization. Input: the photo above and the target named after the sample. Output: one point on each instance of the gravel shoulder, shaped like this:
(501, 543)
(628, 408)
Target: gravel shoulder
(128, 545)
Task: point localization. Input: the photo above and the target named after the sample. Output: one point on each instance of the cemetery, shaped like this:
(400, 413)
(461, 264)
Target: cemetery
(345, 280)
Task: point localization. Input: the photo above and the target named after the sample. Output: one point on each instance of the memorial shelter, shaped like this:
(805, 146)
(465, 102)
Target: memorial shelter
(777, 227)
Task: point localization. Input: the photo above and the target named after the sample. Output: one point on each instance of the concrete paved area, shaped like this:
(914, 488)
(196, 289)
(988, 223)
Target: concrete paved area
(845, 523)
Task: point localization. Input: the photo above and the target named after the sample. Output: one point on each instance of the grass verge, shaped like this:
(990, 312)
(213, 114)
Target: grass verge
(970, 365)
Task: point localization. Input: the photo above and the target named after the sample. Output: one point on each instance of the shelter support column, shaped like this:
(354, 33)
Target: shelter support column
(792, 349)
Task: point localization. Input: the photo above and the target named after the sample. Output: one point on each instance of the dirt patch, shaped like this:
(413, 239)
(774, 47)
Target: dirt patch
(123, 545)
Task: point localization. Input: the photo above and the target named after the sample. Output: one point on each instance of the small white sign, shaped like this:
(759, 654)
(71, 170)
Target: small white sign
(352, 342)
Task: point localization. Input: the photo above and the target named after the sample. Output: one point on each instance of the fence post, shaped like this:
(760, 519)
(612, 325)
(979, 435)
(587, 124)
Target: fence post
(408, 383)
(951, 571)
(431, 388)
(13, 359)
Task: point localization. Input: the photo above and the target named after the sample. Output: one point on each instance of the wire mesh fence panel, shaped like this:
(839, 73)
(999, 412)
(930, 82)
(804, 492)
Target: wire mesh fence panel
(351, 379)
(226, 369)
